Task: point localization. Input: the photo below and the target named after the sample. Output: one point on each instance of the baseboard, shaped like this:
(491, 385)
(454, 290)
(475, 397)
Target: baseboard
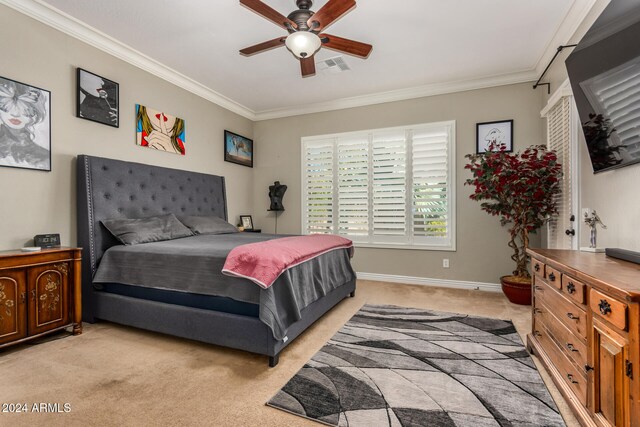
(425, 281)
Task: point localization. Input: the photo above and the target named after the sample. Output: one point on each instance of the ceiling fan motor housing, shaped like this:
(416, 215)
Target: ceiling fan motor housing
(304, 4)
(301, 16)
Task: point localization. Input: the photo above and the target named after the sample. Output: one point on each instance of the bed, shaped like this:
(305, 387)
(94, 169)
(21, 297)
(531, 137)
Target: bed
(179, 289)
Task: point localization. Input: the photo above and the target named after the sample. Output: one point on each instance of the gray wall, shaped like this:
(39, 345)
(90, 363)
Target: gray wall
(613, 194)
(39, 202)
(34, 202)
(482, 253)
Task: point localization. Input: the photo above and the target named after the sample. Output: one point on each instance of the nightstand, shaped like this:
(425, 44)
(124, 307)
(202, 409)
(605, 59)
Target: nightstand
(40, 292)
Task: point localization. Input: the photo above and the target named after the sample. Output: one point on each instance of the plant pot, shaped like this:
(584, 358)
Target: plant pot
(517, 290)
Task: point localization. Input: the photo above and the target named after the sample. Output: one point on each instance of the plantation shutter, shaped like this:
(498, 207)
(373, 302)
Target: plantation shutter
(431, 189)
(388, 187)
(559, 139)
(353, 187)
(318, 171)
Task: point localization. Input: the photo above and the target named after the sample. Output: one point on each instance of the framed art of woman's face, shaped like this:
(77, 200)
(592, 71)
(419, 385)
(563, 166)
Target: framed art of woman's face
(25, 126)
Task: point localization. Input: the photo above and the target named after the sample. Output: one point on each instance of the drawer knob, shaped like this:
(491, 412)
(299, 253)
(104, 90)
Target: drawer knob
(537, 333)
(537, 311)
(571, 347)
(570, 377)
(571, 288)
(605, 307)
(588, 368)
(552, 277)
(536, 267)
(539, 288)
(572, 317)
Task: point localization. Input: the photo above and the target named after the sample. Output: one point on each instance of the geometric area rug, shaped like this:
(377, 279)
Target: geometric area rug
(396, 366)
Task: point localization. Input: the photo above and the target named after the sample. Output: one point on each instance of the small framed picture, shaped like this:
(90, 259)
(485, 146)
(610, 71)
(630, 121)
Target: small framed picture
(238, 149)
(25, 126)
(246, 221)
(97, 99)
(498, 133)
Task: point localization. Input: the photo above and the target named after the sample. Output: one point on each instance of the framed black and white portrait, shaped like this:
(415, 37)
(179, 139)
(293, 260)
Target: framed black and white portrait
(246, 221)
(25, 126)
(497, 133)
(97, 99)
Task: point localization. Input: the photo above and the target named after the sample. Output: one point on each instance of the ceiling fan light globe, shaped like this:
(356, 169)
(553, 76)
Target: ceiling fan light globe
(303, 44)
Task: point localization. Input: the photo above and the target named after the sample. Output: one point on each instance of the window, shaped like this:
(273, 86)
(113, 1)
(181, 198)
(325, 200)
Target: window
(562, 134)
(382, 188)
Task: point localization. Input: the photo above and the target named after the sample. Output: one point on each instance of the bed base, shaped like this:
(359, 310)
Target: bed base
(108, 188)
(213, 327)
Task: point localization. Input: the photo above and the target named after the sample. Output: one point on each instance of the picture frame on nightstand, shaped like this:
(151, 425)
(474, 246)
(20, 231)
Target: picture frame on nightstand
(246, 221)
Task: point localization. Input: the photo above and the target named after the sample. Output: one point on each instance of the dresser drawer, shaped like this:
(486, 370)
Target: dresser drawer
(574, 347)
(537, 267)
(554, 277)
(575, 378)
(572, 316)
(610, 309)
(574, 289)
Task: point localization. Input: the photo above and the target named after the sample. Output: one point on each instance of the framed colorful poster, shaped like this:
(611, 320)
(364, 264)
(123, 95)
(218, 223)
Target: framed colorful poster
(160, 131)
(238, 149)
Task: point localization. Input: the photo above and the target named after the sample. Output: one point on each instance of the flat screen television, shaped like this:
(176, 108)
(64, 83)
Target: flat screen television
(604, 71)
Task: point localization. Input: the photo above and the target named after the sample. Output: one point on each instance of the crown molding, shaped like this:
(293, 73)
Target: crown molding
(55, 18)
(61, 21)
(425, 281)
(578, 13)
(400, 95)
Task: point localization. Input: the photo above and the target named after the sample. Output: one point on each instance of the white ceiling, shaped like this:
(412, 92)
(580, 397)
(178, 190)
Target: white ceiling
(417, 43)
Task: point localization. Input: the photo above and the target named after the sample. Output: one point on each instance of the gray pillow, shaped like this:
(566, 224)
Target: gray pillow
(132, 231)
(208, 225)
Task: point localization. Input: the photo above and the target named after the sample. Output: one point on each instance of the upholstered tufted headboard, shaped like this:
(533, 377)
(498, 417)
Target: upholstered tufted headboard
(110, 188)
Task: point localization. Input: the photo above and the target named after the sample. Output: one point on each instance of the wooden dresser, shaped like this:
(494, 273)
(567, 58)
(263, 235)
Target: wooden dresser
(39, 293)
(586, 332)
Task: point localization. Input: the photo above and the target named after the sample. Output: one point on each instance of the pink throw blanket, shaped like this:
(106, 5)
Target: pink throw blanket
(264, 262)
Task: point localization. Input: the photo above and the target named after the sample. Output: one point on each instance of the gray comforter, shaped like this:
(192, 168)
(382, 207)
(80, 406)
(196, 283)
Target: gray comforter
(194, 264)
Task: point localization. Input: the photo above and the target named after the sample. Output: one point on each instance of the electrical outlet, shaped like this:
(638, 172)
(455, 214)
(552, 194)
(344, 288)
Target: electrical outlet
(445, 263)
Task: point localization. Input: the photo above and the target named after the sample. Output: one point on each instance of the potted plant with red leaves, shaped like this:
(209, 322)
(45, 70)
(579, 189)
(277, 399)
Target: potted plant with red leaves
(521, 189)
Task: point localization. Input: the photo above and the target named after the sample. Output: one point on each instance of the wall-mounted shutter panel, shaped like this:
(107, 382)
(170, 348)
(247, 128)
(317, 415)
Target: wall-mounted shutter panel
(384, 187)
(318, 171)
(430, 195)
(353, 186)
(389, 183)
(559, 139)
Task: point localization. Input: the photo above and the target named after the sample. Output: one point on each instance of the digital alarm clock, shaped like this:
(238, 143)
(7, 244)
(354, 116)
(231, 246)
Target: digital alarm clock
(47, 240)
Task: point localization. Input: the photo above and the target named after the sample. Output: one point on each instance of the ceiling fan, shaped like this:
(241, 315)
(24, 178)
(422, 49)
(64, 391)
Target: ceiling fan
(305, 31)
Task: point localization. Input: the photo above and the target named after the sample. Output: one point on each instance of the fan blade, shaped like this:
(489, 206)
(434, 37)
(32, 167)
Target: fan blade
(351, 47)
(308, 66)
(329, 13)
(267, 12)
(264, 46)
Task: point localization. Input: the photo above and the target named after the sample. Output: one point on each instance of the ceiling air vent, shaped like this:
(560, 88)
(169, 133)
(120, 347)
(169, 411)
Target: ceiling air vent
(333, 65)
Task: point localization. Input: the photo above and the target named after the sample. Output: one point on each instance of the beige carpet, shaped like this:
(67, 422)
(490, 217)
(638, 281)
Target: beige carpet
(118, 376)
